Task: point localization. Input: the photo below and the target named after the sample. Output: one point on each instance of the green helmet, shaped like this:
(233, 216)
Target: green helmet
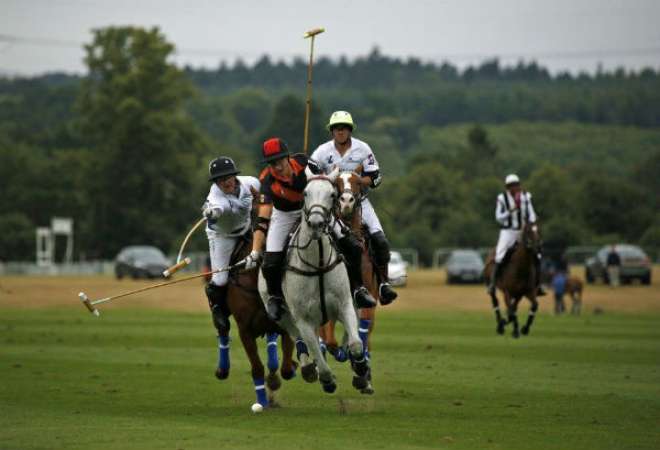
(341, 118)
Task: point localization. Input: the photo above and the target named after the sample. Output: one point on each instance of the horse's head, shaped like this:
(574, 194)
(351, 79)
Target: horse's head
(350, 195)
(531, 237)
(319, 196)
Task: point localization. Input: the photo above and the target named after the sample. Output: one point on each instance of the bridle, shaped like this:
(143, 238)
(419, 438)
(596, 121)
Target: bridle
(317, 208)
(347, 189)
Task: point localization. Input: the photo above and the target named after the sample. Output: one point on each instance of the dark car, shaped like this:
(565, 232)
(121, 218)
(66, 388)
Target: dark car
(635, 264)
(140, 261)
(464, 266)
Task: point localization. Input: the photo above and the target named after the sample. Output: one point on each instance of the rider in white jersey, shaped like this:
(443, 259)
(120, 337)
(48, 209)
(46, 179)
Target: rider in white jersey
(228, 209)
(349, 154)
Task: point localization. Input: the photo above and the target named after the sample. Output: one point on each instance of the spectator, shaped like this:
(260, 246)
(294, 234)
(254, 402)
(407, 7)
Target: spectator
(613, 267)
(559, 286)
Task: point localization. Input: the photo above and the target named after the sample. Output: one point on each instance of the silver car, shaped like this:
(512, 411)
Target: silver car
(397, 270)
(464, 266)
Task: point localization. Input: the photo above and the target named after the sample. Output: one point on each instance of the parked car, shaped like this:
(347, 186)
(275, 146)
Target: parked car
(140, 261)
(464, 266)
(397, 270)
(635, 264)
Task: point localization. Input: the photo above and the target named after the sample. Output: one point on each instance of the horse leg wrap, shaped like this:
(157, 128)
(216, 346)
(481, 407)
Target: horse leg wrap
(301, 348)
(363, 332)
(273, 363)
(360, 365)
(223, 353)
(324, 348)
(260, 390)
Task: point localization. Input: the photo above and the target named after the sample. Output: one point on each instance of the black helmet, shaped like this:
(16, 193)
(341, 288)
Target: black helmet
(222, 167)
(274, 149)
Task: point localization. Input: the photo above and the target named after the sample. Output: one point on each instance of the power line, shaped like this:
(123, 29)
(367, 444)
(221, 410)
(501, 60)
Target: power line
(563, 54)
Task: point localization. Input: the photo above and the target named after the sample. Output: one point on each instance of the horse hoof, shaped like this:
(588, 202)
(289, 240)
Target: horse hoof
(309, 373)
(288, 375)
(369, 390)
(360, 383)
(525, 331)
(329, 387)
(500, 326)
(273, 381)
(221, 374)
(515, 334)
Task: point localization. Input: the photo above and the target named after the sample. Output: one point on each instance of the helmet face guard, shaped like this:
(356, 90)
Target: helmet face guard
(274, 149)
(222, 167)
(341, 118)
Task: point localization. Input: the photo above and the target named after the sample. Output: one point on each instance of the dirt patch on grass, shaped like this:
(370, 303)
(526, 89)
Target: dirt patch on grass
(426, 289)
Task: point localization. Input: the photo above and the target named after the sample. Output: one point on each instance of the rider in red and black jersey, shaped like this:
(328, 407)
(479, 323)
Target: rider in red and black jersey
(281, 202)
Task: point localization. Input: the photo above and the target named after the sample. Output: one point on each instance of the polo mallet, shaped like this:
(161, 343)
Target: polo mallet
(180, 264)
(90, 304)
(308, 102)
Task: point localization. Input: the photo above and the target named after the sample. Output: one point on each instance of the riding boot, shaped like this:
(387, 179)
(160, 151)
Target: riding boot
(493, 278)
(273, 269)
(540, 292)
(382, 256)
(352, 251)
(217, 296)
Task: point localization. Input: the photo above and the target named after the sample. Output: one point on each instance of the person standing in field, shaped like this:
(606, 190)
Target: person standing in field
(613, 267)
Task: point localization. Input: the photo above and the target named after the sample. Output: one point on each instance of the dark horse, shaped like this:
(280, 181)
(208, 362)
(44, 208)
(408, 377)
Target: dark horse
(517, 279)
(248, 310)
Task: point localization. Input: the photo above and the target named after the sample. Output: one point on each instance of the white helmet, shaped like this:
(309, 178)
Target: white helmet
(511, 179)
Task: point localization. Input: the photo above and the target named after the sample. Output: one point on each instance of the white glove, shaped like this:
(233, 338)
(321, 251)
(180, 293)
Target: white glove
(211, 213)
(252, 259)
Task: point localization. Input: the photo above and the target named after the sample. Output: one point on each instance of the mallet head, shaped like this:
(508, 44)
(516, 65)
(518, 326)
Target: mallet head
(313, 32)
(176, 267)
(88, 304)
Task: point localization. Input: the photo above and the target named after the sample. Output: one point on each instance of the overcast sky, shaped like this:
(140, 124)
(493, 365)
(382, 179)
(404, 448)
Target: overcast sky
(38, 36)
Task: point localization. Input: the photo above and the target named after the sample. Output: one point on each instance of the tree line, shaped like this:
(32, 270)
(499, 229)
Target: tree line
(124, 150)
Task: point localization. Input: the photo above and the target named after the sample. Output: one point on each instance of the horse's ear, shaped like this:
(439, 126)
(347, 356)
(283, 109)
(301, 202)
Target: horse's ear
(308, 172)
(333, 175)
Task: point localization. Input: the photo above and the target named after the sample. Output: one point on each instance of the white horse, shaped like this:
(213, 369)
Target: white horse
(316, 286)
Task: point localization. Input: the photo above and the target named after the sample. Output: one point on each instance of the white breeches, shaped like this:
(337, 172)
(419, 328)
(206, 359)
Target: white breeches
(220, 249)
(369, 217)
(282, 223)
(506, 240)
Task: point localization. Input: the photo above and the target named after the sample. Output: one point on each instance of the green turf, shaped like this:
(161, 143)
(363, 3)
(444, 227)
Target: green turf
(143, 379)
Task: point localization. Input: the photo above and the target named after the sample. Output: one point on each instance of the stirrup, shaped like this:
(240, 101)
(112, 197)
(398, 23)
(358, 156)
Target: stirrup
(275, 307)
(363, 298)
(386, 293)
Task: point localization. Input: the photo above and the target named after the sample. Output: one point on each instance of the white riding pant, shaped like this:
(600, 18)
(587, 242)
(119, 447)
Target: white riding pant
(506, 240)
(220, 249)
(369, 217)
(282, 223)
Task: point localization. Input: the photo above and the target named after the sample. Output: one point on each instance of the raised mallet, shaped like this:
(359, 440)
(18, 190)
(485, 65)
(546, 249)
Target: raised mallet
(90, 304)
(181, 263)
(308, 102)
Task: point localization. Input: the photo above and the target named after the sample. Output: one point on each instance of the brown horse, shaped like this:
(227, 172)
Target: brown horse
(250, 315)
(574, 290)
(517, 279)
(349, 210)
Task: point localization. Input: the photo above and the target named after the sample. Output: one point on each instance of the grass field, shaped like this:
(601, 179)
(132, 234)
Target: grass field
(141, 375)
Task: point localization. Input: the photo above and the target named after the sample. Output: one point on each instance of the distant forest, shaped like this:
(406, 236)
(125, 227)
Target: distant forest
(587, 146)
